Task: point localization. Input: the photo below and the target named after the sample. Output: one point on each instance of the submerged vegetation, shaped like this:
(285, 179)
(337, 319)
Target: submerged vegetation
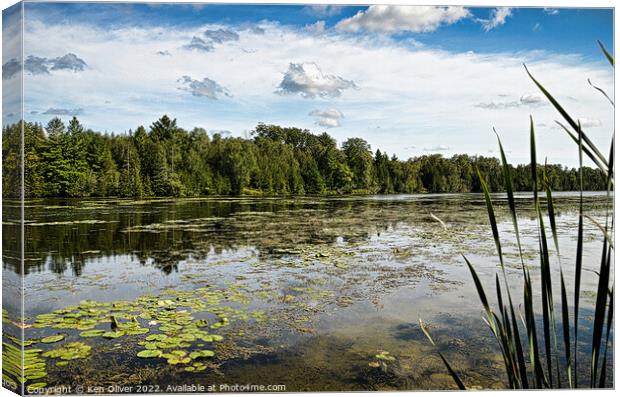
(537, 353)
(166, 160)
(294, 268)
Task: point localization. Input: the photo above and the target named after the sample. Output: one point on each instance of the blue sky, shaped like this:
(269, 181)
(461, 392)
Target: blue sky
(571, 30)
(410, 80)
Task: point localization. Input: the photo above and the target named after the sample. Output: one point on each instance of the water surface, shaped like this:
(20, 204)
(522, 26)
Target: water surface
(313, 289)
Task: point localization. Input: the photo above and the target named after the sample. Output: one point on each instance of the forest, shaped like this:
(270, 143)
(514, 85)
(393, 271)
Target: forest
(166, 160)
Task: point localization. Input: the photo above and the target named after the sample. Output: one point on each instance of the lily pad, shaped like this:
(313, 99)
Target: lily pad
(92, 333)
(149, 353)
(179, 360)
(35, 386)
(201, 353)
(157, 337)
(113, 334)
(69, 351)
(53, 339)
(36, 375)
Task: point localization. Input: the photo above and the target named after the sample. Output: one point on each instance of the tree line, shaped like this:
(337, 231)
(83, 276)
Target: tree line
(166, 160)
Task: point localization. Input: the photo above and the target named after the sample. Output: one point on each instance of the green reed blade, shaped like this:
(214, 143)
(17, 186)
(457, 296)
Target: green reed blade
(492, 220)
(506, 338)
(545, 272)
(566, 329)
(453, 374)
(539, 376)
(545, 306)
(567, 117)
(603, 284)
(607, 54)
(498, 288)
(579, 258)
(533, 160)
(599, 311)
(600, 165)
(552, 224)
(602, 91)
(510, 194)
(511, 203)
(610, 241)
(508, 353)
(551, 212)
(519, 350)
(481, 294)
(610, 316)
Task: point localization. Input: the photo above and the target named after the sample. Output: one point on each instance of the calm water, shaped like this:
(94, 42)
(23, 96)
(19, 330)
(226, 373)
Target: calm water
(312, 288)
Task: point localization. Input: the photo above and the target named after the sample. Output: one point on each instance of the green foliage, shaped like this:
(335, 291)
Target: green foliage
(166, 160)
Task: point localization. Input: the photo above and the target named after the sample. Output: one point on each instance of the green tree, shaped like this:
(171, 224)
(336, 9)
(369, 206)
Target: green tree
(359, 160)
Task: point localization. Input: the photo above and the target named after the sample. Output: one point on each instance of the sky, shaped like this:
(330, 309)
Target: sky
(411, 80)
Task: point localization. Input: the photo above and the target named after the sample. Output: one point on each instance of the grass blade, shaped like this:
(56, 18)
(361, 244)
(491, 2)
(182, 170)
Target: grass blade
(551, 212)
(599, 311)
(533, 160)
(610, 317)
(547, 300)
(607, 54)
(610, 241)
(578, 258)
(552, 224)
(530, 325)
(482, 295)
(567, 117)
(510, 194)
(453, 374)
(492, 219)
(584, 149)
(602, 91)
(603, 284)
(513, 211)
(566, 329)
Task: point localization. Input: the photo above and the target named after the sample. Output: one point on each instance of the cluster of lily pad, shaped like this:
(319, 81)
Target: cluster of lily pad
(174, 326)
(33, 367)
(69, 351)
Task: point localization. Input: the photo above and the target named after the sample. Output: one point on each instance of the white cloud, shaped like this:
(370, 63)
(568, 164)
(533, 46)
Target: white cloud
(199, 44)
(531, 100)
(63, 112)
(11, 55)
(316, 28)
(419, 96)
(221, 35)
(438, 148)
(328, 118)
(207, 87)
(322, 10)
(308, 80)
(551, 11)
(585, 122)
(11, 68)
(39, 65)
(590, 123)
(496, 18)
(391, 19)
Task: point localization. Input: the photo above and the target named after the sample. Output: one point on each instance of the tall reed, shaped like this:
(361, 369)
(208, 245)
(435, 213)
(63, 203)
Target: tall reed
(535, 358)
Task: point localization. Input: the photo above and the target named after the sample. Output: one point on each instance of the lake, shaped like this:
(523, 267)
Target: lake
(308, 292)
